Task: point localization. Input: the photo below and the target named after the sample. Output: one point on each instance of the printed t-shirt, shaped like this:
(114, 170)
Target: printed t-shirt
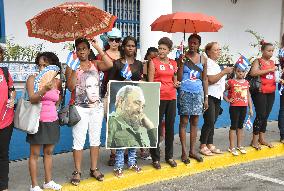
(239, 92)
(164, 73)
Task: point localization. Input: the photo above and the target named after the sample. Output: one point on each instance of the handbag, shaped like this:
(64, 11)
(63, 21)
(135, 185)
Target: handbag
(27, 115)
(254, 82)
(68, 115)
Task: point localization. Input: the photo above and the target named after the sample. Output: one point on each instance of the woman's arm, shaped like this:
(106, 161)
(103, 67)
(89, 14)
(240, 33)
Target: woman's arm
(180, 68)
(250, 104)
(205, 83)
(36, 97)
(212, 79)
(71, 78)
(106, 62)
(151, 71)
(59, 87)
(256, 71)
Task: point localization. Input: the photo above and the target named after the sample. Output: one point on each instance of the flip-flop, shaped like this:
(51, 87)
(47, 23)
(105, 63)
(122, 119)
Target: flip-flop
(269, 145)
(196, 157)
(205, 151)
(213, 149)
(257, 147)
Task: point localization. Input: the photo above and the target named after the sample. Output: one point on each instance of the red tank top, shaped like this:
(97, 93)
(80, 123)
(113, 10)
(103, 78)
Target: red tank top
(268, 84)
(164, 73)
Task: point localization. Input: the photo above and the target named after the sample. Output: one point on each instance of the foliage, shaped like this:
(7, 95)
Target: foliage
(16, 52)
(226, 57)
(256, 44)
(68, 46)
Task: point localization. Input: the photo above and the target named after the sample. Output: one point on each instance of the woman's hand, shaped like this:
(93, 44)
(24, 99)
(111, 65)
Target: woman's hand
(251, 112)
(10, 103)
(273, 69)
(95, 43)
(177, 84)
(205, 104)
(48, 86)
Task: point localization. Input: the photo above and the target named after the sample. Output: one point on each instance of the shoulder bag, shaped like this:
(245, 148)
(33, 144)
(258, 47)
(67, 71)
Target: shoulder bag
(254, 81)
(27, 115)
(68, 115)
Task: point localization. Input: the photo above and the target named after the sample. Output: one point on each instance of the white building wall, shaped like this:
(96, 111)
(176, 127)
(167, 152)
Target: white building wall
(262, 16)
(17, 12)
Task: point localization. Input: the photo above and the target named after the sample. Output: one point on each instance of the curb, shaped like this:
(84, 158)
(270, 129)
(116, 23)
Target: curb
(150, 175)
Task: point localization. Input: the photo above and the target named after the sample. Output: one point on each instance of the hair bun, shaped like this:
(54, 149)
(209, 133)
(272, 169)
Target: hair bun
(262, 42)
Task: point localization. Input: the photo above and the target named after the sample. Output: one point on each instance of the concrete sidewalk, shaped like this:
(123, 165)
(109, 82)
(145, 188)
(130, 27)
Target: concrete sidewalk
(63, 165)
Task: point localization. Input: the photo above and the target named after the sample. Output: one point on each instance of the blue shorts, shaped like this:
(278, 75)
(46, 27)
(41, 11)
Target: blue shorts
(190, 103)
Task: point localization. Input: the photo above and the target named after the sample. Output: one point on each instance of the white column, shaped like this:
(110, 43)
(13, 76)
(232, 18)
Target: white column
(150, 10)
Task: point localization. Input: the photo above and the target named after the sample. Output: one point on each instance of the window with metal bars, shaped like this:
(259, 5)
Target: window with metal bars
(2, 22)
(128, 14)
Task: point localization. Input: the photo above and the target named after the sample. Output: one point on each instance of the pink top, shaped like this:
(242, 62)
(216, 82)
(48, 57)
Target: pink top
(6, 114)
(48, 110)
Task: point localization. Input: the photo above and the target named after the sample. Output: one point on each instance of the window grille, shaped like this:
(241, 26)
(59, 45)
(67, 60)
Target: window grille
(128, 14)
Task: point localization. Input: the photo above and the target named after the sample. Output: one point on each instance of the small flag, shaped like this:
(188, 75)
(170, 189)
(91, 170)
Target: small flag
(179, 50)
(281, 53)
(126, 72)
(72, 60)
(248, 125)
(242, 63)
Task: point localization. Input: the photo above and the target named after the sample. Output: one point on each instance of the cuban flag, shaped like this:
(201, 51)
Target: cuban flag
(126, 72)
(242, 63)
(179, 50)
(281, 53)
(72, 60)
(248, 125)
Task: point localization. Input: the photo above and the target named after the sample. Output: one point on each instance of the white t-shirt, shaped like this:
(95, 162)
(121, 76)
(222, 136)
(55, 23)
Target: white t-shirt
(217, 89)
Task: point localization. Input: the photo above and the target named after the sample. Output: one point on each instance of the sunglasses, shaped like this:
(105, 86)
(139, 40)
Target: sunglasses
(117, 40)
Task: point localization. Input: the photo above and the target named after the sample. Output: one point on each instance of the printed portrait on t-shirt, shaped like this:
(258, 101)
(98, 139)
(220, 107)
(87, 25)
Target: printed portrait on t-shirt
(88, 91)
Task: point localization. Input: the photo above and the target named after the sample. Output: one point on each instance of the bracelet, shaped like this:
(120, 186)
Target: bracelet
(206, 95)
(39, 95)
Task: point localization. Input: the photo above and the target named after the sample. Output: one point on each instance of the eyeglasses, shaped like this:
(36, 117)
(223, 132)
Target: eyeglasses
(117, 40)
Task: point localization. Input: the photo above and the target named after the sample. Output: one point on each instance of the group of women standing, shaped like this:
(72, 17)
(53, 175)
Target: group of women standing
(195, 83)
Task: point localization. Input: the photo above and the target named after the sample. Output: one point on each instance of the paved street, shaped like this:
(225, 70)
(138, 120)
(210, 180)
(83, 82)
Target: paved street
(264, 175)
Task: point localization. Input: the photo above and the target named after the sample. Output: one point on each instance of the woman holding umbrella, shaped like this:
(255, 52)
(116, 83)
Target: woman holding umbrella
(193, 94)
(91, 111)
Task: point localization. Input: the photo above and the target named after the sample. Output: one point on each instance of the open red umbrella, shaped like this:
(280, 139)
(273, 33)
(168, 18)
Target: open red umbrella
(69, 21)
(186, 22)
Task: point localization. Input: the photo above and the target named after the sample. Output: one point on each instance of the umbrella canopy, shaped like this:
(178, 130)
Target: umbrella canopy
(69, 21)
(186, 22)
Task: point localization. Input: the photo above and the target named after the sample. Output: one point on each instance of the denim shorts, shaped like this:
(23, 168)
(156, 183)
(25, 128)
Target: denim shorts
(190, 103)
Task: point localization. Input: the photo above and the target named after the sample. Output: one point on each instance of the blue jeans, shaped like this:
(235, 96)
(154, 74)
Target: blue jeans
(281, 117)
(119, 158)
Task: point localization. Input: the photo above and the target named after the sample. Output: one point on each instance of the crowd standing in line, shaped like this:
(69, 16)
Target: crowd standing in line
(200, 83)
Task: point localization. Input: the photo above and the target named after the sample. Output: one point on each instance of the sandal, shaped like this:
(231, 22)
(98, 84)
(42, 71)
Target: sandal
(156, 165)
(197, 157)
(99, 177)
(257, 147)
(74, 180)
(266, 144)
(185, 160)
(213, 149)
(171, 162)
(242, 150)
(205, 151)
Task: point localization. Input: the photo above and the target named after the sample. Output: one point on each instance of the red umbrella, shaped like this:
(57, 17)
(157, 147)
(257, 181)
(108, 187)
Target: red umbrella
(186, 22)
(69, 21)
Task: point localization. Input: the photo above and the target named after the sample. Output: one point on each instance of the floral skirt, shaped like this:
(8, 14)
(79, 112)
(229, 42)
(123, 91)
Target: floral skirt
(190, 103)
